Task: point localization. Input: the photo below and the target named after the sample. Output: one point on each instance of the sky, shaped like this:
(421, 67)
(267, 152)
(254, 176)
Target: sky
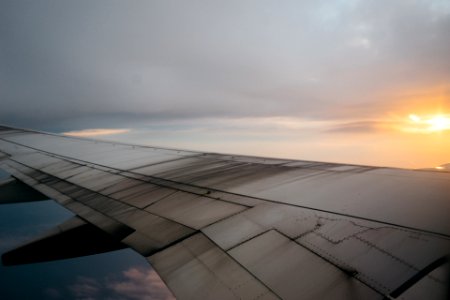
(350, 81)
(364, 82)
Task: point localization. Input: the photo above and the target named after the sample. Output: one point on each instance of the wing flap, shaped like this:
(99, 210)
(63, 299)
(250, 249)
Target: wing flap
(14, 191)
(152, 232)
(293, 271)
(197, 269)
(378, 256)
(74, 238)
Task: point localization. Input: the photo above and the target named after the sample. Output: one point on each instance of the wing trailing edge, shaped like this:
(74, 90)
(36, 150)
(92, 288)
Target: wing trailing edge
(73, 238)
(14, 191)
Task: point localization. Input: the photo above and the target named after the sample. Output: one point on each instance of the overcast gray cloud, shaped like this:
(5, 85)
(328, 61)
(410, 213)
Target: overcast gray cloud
(74, 64)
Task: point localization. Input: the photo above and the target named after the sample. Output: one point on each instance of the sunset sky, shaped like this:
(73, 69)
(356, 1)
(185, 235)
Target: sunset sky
(350, 81)
(365, 82)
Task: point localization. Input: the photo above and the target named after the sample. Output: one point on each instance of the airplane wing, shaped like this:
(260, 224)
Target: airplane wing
(218, 226)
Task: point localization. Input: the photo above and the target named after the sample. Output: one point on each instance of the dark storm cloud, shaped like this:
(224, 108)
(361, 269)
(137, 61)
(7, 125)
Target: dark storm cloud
(98, 61)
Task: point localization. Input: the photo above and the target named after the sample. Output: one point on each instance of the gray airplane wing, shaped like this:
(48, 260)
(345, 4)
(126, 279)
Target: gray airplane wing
(218, 226)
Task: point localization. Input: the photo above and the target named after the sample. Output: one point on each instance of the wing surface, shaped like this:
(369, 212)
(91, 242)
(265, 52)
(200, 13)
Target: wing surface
(218, 226)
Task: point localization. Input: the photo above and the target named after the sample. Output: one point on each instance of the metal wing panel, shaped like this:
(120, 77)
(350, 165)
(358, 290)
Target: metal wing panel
(193, 210)
(141, 188)
(397, 198)
(198, 269)
(292, 221)
(102, 153)
(293, 272)
(268, 227)
(380, 256)
(176, 165)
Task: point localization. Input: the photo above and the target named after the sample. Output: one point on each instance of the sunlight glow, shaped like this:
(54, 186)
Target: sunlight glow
(439, 123)
(414, 118)
(95, 132)
(430, 123)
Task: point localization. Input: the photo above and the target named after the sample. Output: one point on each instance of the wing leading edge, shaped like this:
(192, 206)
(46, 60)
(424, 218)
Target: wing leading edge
(222, 226)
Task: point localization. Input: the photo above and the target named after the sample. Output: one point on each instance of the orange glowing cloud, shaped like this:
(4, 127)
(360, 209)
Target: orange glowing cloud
(95, 132)
(414, 110)
(429, 101)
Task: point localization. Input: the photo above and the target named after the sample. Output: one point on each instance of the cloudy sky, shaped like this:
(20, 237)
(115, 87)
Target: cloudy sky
(323, 80)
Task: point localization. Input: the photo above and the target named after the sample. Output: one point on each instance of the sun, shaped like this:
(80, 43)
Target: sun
(439, 123)
(430, 123)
